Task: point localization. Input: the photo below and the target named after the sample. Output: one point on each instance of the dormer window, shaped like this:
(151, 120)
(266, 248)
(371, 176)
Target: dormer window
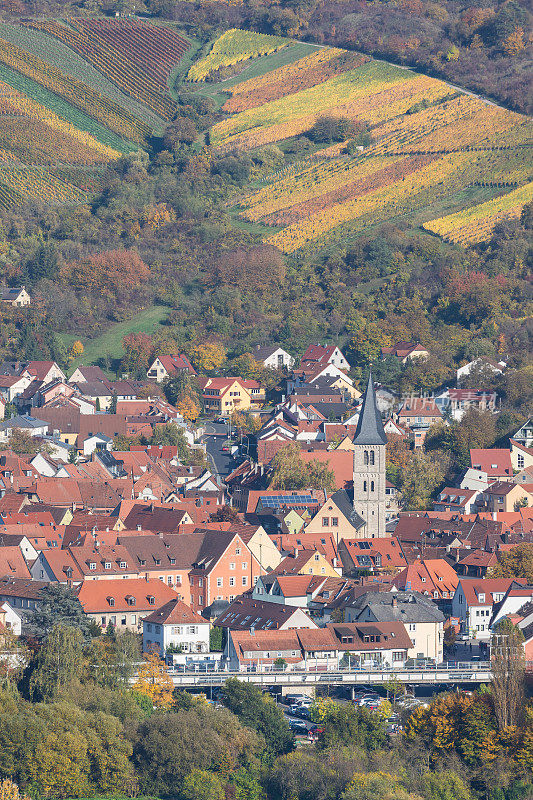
(123, 565)
(157, 561)
(131, 600)
(151, 600)
(172, 560)
(92, 564)
(107, 565)
(481, 598)
(111, 601)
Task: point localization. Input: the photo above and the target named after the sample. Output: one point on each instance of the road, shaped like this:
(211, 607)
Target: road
(216, 434)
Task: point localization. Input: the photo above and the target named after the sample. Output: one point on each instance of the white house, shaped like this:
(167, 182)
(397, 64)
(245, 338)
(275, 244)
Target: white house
(31, 425)
(473, 603)
(481, 364)
(98, 441)
(174, 626)
(474, 479)
(10, 619)
(273, 356)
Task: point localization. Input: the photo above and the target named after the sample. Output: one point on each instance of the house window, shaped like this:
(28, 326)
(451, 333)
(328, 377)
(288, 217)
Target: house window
(317, 556)
(520, 461)
(134, 619)
(192, 629)
(244, 580)
(131, 601)
(325, 522)
(123, 565)
(200, 582)
(201, 600)
(365, 457)
(111, 601)
(107, 565)
(371, 486)
(103, 621)
(232, 581)
(237, 551)
(123, 621)
(372, 457)
(151, 600)
(92, 565)
(397, 655)
(232, 565)
(365, 486)
(219, 582)
(334, 521)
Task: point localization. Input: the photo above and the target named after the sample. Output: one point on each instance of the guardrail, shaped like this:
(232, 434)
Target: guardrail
(446, 672)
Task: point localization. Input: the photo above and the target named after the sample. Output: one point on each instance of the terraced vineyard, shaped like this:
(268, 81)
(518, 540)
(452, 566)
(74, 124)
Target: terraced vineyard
(75, 96)
(136, 56)
(429, 142)
(233, 47)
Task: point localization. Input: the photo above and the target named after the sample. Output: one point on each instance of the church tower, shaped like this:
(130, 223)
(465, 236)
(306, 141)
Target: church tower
(369, 466)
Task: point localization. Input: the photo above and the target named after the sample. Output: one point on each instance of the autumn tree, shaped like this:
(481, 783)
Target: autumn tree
(57, 662)
(515, 563)
(154, 682)
(76, 350)
(365, 346)
(508, 673)
(208, 356)
(290, 471)
(419, 475)
(111, 274)
(10, 791)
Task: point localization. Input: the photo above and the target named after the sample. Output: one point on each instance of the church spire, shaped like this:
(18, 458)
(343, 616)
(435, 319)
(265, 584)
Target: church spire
(370, 426)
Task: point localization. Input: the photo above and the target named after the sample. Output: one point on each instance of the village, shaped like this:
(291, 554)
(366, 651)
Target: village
(194, 547)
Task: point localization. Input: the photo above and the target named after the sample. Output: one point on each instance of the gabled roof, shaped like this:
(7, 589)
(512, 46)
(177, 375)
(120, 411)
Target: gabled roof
(245, 613)
(370, 426)
(95, 596)
(177, 363)
(495, 462)
(12, 562)
(486, 587)
(175, 612)
(344, 502)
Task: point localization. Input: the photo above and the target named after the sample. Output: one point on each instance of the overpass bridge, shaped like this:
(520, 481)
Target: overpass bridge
(448, 673)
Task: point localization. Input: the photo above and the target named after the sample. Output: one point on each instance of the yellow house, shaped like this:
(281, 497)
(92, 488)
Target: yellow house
(343, 383)
(337, 518)
(307, 562)
(502, 496)
(225, 395)
(294, 521)
(521, 456)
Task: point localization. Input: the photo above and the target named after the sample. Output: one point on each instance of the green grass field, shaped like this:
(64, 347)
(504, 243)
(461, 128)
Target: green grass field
(65, 110)
(109, 343)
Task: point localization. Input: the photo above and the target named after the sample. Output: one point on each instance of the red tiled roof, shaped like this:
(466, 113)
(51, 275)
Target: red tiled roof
(495, 462)
(175, 612)
(340, 462)
(12, 562)
(473, 587)
(95, 595)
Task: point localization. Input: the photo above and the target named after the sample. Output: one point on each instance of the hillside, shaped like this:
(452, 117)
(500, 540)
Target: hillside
(248, 188)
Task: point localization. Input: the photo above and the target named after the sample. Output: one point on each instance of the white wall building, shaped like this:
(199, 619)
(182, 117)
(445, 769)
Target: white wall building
(175, 625)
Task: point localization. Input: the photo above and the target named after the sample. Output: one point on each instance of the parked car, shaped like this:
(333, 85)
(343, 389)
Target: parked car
(291, 699)
(297, 726)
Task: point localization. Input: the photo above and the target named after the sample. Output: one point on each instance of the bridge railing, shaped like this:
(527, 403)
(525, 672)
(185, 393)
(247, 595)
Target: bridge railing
(444, 666)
